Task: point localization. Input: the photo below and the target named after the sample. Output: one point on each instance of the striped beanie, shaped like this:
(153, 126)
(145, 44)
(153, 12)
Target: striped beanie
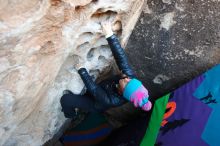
(136, 93)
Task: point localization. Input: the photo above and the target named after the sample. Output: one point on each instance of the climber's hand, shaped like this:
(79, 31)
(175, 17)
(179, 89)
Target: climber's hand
(107, 28)
(78, 66)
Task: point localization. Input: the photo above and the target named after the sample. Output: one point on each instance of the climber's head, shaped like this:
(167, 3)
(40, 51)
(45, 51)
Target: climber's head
(134, 91)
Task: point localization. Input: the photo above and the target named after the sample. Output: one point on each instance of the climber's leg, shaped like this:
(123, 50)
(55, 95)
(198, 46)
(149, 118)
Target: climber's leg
(71, 101)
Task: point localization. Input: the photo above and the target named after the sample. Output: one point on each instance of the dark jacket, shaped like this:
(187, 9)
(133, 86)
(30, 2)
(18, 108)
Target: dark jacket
(106, 93)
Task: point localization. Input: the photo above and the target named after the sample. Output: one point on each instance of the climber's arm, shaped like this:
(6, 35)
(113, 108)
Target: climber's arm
(94, 89)
(87, 79)
(120, 56)
(118, 51)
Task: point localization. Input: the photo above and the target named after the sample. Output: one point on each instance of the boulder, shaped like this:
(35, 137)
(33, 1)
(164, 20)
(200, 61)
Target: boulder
(41, 43)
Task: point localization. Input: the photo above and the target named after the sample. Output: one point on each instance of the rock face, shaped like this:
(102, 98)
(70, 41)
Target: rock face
(41, 41)
(174, 41)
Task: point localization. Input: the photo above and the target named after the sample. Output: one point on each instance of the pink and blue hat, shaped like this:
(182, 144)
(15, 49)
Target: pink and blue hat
(135, 92)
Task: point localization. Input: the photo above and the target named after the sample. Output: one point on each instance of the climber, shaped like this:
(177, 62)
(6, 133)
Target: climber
(112, 92)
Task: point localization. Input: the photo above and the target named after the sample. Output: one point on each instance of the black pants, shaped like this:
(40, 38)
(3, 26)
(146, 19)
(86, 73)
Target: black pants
(84, 102)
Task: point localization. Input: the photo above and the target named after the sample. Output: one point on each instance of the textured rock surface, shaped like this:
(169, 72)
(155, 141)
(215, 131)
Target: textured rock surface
(173, 41)
(40, 42)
